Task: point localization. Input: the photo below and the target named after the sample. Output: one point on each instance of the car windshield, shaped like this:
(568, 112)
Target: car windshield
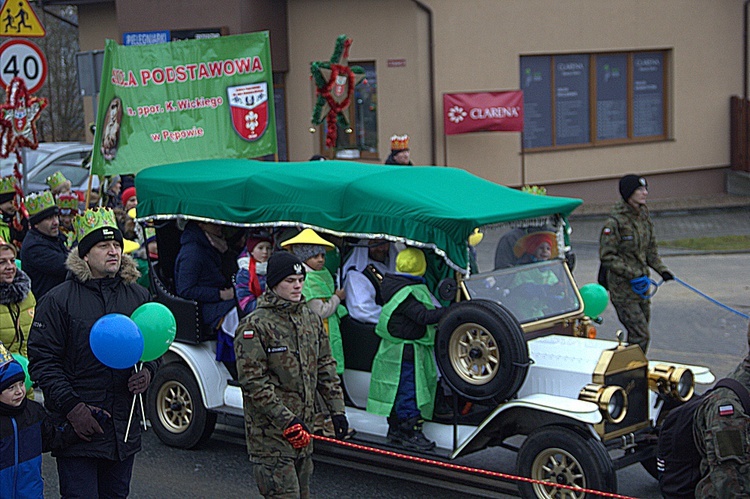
(72, 171)
(531, 292)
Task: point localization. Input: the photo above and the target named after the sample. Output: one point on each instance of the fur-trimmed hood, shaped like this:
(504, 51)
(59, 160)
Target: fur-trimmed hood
(16, 291)
(81, 271)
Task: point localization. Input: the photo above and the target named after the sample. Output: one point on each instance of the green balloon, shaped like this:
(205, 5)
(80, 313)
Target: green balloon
(595, 299)
(158, 327)
(25, 364)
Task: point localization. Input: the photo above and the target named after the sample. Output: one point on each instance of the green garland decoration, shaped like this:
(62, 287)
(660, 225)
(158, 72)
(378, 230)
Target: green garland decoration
(334, 86)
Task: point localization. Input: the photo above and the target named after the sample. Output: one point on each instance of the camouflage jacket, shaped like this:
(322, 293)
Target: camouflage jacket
(283, 358)
(627, 248)
(721, 430)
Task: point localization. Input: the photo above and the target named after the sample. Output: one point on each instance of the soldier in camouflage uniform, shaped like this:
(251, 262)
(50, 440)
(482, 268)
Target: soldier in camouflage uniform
(627, 248)
(721, 430)
(283, 358)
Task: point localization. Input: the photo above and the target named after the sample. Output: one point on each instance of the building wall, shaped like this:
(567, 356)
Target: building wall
(380, 30)
(477, 47)
(706, 43)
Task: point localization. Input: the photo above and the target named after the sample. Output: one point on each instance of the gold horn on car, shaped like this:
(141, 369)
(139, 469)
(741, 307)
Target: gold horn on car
(611, 400)
(671, 381)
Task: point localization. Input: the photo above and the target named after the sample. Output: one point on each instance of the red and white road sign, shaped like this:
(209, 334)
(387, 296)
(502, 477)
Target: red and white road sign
(24, 59)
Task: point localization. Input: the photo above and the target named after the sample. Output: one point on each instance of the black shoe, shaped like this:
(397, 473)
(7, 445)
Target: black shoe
(408, 435)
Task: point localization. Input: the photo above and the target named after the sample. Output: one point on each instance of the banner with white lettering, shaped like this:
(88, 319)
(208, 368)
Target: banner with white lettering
(483, 112)
(183, 101)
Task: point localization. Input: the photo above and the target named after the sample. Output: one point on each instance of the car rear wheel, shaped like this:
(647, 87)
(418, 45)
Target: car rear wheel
(562, 456)
(176, 409)
(481, 351)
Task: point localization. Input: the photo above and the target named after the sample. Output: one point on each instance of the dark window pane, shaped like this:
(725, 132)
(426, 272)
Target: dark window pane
(572, 99)
(648, 94)
(611, 96)
(537, 101)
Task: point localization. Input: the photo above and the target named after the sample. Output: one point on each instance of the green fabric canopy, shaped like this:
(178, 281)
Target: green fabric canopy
(432, 207)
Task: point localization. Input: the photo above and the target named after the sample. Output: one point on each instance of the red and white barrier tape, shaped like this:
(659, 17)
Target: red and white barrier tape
(457, 467)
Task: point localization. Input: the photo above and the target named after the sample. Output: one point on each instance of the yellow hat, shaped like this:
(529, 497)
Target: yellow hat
(475, 237)
(129, 246)
(411, 261)
(307, 236)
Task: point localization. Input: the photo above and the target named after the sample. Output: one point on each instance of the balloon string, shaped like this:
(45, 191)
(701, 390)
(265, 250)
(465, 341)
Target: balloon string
(137, 367)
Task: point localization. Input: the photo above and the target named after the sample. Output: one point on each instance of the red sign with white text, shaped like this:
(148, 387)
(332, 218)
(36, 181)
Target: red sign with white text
(483, 112)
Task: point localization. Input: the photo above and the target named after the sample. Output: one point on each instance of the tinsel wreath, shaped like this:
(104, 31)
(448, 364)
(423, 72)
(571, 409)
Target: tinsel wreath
(18, 117)
(334, 85)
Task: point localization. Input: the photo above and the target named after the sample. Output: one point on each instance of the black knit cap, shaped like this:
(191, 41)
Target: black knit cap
(281, 265)
(629, 183)
(35, 219)
(102, 234)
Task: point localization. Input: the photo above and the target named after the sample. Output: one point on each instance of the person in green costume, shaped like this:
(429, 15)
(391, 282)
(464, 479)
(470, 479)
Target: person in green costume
(324, 299)
(320, 292)
(404, 376)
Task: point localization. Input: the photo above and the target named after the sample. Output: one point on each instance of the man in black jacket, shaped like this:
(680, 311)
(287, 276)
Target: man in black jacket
(44, 251)
(77, 387)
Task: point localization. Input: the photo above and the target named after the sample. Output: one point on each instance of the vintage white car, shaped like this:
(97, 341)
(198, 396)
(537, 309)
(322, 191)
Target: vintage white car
(517, 358)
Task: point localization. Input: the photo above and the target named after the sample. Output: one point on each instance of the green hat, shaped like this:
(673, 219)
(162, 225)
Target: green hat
(8, 184)
(93, 226)
(40, 205)
(7, 188)
(56, 180)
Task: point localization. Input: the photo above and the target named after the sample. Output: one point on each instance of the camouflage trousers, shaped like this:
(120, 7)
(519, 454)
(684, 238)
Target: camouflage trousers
(727, 445)
(283, 477)
(635, 316)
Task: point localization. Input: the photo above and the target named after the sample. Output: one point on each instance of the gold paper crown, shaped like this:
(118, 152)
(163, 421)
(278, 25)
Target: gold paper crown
(68, 201)
(39, 201)
(91, 220)
(8, 184)
(56, 180)
(399, 142)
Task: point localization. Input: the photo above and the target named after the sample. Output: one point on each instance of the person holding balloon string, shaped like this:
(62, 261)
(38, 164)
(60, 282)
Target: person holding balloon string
(92, 393)
(17, 304)
(26, 431)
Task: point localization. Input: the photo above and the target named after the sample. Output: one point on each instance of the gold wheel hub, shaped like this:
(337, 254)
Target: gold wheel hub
(474, 354)
(174, 407)
(560, 467)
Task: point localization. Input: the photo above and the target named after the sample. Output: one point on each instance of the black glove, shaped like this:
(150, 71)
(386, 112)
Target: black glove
(297, 434)
(667, 276)
(139, 381)
(82, 420)
(340, 425)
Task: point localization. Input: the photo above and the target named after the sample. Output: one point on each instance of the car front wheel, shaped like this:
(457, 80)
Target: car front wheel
(562, 456)
(176, 409)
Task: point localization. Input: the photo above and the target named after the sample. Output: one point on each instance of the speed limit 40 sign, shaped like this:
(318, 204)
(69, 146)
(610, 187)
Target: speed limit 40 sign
(24, 59)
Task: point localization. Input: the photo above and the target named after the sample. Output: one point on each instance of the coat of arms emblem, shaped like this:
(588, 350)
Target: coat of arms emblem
(249, 107)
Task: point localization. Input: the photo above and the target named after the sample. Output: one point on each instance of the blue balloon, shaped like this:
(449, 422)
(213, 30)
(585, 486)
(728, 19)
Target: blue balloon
(116, 341)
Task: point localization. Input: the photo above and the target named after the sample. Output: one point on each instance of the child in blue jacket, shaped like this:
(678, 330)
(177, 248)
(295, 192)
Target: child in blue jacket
(26, 431)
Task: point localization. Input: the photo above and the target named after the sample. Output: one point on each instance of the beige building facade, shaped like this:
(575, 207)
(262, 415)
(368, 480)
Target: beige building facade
(415, 51)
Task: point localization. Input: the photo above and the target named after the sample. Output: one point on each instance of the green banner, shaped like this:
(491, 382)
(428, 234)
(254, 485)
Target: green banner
(184, 101)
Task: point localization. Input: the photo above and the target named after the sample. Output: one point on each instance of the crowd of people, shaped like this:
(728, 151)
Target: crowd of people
(275, 299)
(62, 267)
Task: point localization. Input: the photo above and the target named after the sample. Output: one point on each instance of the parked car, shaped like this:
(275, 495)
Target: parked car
(585, 406)
(50, 157)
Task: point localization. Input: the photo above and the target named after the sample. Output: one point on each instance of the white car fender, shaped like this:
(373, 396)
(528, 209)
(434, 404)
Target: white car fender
(210, 375)
(580, 411)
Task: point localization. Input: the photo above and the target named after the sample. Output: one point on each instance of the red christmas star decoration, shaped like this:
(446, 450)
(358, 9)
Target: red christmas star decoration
(18, 117)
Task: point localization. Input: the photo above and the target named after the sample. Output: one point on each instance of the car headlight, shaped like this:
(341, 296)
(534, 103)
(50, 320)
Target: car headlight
(611, 400)
(671, 381)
